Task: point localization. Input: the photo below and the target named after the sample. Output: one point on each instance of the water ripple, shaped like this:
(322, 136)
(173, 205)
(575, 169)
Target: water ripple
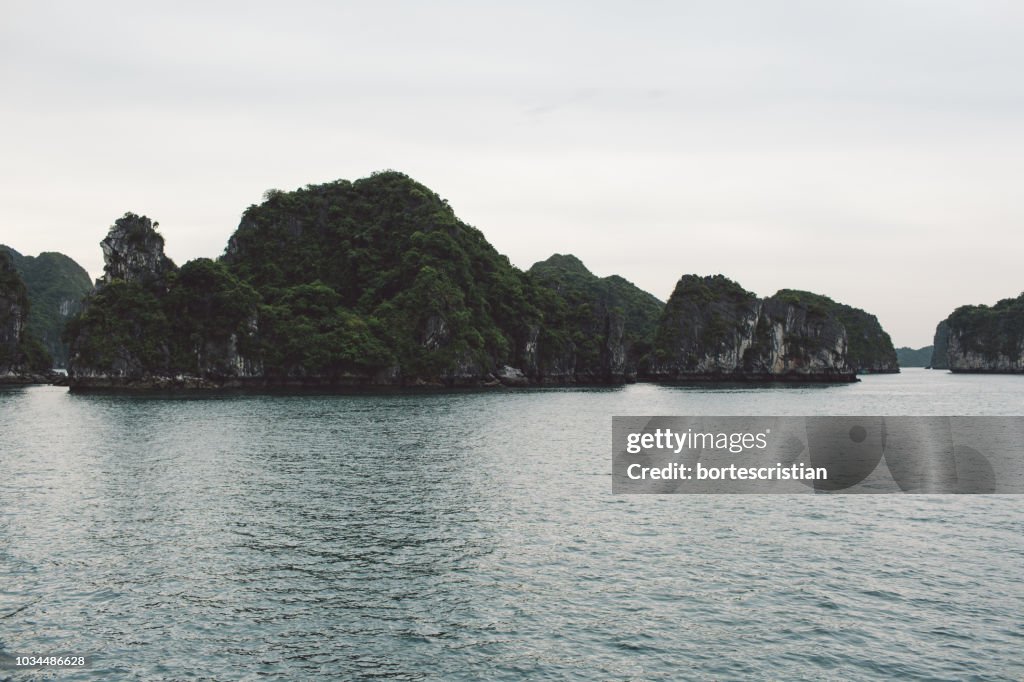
(473, 535)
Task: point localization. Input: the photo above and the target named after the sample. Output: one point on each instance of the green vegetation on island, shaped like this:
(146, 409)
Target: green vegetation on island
(714, 329)
(377, 282)
(869, 347)
(56, 285)
(379, 275)
(195, 320)
(22, 355)
(604, 326)
(367, 282)
(702, 313)
(981, 338)
(911, 357)
(148, 317)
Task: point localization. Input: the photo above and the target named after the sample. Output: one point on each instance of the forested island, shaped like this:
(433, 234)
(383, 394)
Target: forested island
(982, 339)
(713, 329)
(914, 357)
(376, 282)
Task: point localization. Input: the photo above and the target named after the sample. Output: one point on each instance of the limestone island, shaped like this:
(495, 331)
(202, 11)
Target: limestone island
(377, 283)
(982, 339)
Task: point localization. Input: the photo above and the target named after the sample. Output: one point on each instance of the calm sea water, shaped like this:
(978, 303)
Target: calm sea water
(474, 535)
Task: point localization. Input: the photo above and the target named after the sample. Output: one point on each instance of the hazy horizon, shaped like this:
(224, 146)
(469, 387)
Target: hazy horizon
(868, 152)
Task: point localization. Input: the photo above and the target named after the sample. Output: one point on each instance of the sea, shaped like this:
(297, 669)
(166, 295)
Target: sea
(474, 535)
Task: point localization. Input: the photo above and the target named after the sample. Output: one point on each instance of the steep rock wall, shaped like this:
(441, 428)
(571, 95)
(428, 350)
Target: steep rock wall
(715, 330)
(987, 338)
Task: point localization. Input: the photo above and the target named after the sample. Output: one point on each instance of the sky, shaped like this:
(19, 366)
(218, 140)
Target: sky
(871, 151)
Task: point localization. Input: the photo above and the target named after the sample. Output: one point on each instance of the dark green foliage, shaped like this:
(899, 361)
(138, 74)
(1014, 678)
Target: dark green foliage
(991, 331)
(124, 329)
(11, 284)
(353, 282)
(940, 346)
(131, 326)
(909, 357)
(713, 302)
(194, 326)
(209, 301)
(708, 289)
(140, 232)
(20, 349)
(56, 286)
(585, 315)
(36, 357)
(413, 284)
(816, 305)
(714, 327)
(869, 347)
(306, 332)
(211, 309)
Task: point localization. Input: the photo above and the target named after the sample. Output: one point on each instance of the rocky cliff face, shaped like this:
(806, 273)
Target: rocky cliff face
(870, 347)
(121, 335)
(987, 339)
(713, 329)
(940, 347)
(965, 357)
(22, 358)
(13, 316)
(133, 252)
(596, 330)
(803, 341)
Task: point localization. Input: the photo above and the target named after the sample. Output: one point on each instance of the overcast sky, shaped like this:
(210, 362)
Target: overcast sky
(869, 151)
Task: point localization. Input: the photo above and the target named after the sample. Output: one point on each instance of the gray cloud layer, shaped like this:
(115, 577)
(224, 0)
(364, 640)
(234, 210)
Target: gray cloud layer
(870, 151)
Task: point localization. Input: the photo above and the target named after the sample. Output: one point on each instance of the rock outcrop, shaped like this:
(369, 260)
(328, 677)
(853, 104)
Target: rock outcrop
(940, 346)
(597, 330)
(870, 347)
(133, 252)
(56, 285)
(150, 325)
(22, 357)
(987, 339)
(714, 330)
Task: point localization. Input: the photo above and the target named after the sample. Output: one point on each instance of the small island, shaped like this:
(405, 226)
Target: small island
(714, 330)
(981, 339)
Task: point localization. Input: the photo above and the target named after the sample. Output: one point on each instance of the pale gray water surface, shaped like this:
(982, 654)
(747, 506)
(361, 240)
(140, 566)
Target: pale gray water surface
(474, 535)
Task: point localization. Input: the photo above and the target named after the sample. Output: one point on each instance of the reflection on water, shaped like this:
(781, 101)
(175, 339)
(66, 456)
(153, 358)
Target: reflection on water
(473, 535)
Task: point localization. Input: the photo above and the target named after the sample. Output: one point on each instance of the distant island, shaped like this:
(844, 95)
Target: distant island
(982, 339)
(376, 282)
(914, 357)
